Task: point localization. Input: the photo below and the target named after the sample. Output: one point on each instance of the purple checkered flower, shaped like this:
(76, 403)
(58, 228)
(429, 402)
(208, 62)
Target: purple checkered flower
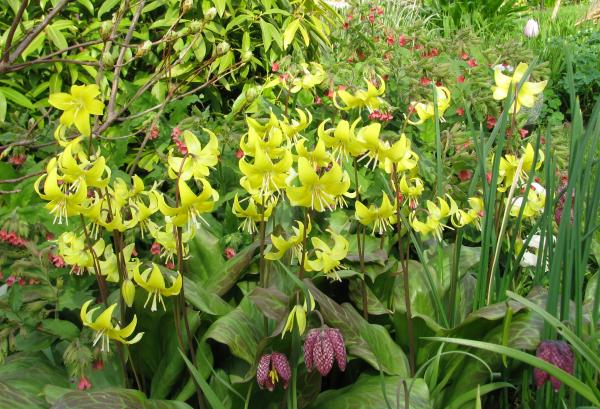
(273, 368)
(559, 354)
(322, 347)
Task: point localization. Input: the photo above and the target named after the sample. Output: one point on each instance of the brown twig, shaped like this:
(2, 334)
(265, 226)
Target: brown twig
(13, 28)
(22, 178)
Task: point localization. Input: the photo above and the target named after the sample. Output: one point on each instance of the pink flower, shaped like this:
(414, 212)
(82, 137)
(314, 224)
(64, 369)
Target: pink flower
(390, 39)
(155, 249)
(425, 81)
(559, 354)
(318, 100)
(329, 93)
(98, 364)
(11, 280)
(175, 133)
(346, 25)
(464, 56)
(22, 281)
(17, 160)
(322, 347)
(472, 63)
(523, 133)
(371, 18)
(56, 260)
(465, 175)
(239, 154)
(229, 252)
(274, 67)
(402, 40)
(460, 79)
(271, 368)
(460, 111)
(84, 384)
(170, 265)
(154, 132)
(490, 122)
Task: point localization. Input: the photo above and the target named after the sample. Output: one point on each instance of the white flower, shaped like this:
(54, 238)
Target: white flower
(528, 260)
(337, 4)
(532, 29)
(504, 68)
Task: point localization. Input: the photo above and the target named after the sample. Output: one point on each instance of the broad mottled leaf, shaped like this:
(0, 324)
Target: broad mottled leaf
(271, 302)
(367, 393)
(204, 300)
(113, 399)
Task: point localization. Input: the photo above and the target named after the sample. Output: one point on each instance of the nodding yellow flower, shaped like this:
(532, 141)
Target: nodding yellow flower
(312, 76)
(76, 253)
(294, 243)
(251, 213)
(198, 160)
(266, 138)
(319, 156)
(109, 266)
(166, 238)
(536, 200)
(462, 218)
(291, 130)
(401, 156)
(76, 166)
(128, 292)
(191, 206)
(78, 106)
(361, 98)
(62, 200)
(380, 217)
(298, 315)
(105, 329)
(264, 177)
(412, 188)
(153, 282)
(328, 259)
(510, 163)
(437, 214)
(524, 96)
(319, 192)
(341, 139)
(427, 111)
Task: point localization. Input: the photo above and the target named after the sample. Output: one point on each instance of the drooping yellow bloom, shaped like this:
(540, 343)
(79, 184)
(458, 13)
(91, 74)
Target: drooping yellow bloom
(291, 130)
(191, 206)
(509, 165)
(76, 166)
(143, 204)
(312, 76)
(380, 217)
(401, 156)
(319, 156)
(536, 200)
(462, 218)
(153, 282)
(319, 192)
(128, 292)
(525, 95)
(426, 111)
(105, 329)
(264, 178)
(109, 266)
(75, 252)
(341, 139)
(328, 259)
(437, 214)
(251, 213)
(267, 138)
(412, 188)
(166, 238)
(198, 160)
(298, 315)
(78, 106)
(63, 202)
(361, 98)
(293, 243)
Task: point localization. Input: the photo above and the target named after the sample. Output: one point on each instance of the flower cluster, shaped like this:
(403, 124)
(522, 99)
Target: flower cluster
(12, 238)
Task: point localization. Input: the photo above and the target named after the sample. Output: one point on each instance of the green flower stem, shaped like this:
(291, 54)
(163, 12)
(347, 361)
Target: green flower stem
(360, 244)
(303, 258)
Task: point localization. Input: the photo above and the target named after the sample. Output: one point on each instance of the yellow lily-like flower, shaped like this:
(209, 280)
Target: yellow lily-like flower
(291, 130)
(341, 139)
(318, 192)
(78, 106)
(62, 202)
(463, 218)
(153, 282)
(191, 206)
(128, 292)
(361, 98)
(427, 111)
(319, 156)
(263, 176)
(524, 95)
(412, 188)
(298, 315)
(294, 243)
(198, 160)
(377, 151)
(401, 156)
(268, 141)
(437, 214)
(309, 79)
(509, 165)
(328, 259)
(251, 214)
(380, 217)
(166, 239)
(75, 166)
(75, 252)
(105, 329)
(109, 266)
(536, 200)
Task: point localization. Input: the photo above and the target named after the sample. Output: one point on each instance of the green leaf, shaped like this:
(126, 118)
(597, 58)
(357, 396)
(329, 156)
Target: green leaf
(290, 33)
(220, 5)
(266, 34)
(366, 393)
(15, 298)
(57, 38)
(210, 394)
(2, 106)
(16, 97)
(271, 302)
(107, 6)
(61, 328)
(204, 300)
(88, 5)
(36, 44)
(114, 398)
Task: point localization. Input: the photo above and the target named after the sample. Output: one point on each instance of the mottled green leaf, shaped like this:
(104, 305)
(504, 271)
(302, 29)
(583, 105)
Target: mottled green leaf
(114, 398)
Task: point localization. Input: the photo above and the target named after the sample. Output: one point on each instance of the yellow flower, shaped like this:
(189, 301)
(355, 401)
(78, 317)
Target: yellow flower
(510, 163)
(62, 201)
(267, 138)
(462, 218)
(298, 315)
(191, 206)
(400, 155)
(361, 98)
(76, 166)
(412, 188)
(318, 192)
(434, 223)
(166, 239)
(341, 139)
(78, 106)
(263, 177)
(294, 243)
(536, 200)
(427, 111)
(291, 130)
(153, 282)
(380, 217)
(109, 266)
(251, 214)
(128, 292)
(317, 157)
(328, 259)
(198, 160)
(105, 329)
(309, 79)
(525, 95)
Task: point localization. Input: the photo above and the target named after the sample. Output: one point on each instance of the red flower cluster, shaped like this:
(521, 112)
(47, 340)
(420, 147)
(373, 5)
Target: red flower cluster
(12, 279)
(56, 260)
(84, 384)
(425, 81)
(155, 249)
(12, 238)
(490, 122)
(154, 133)
(381, 116)
(229, 252)
(175, 135)
(17, 160)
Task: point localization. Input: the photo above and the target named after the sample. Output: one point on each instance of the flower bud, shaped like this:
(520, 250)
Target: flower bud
(108, 60)
(223, 48)
(252, 93)
(105, 29)
(532, 28)
(210, 14)
(143, 48)
(247, 55)
(128, 292)
(187, 6)
(195, 27)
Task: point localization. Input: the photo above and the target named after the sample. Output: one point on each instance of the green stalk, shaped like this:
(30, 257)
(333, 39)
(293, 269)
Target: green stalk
(360, 244)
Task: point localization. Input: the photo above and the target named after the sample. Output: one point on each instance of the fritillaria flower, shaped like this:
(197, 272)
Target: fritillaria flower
(532, 29)
(559, 354)
(322, 347)
(273, 368)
